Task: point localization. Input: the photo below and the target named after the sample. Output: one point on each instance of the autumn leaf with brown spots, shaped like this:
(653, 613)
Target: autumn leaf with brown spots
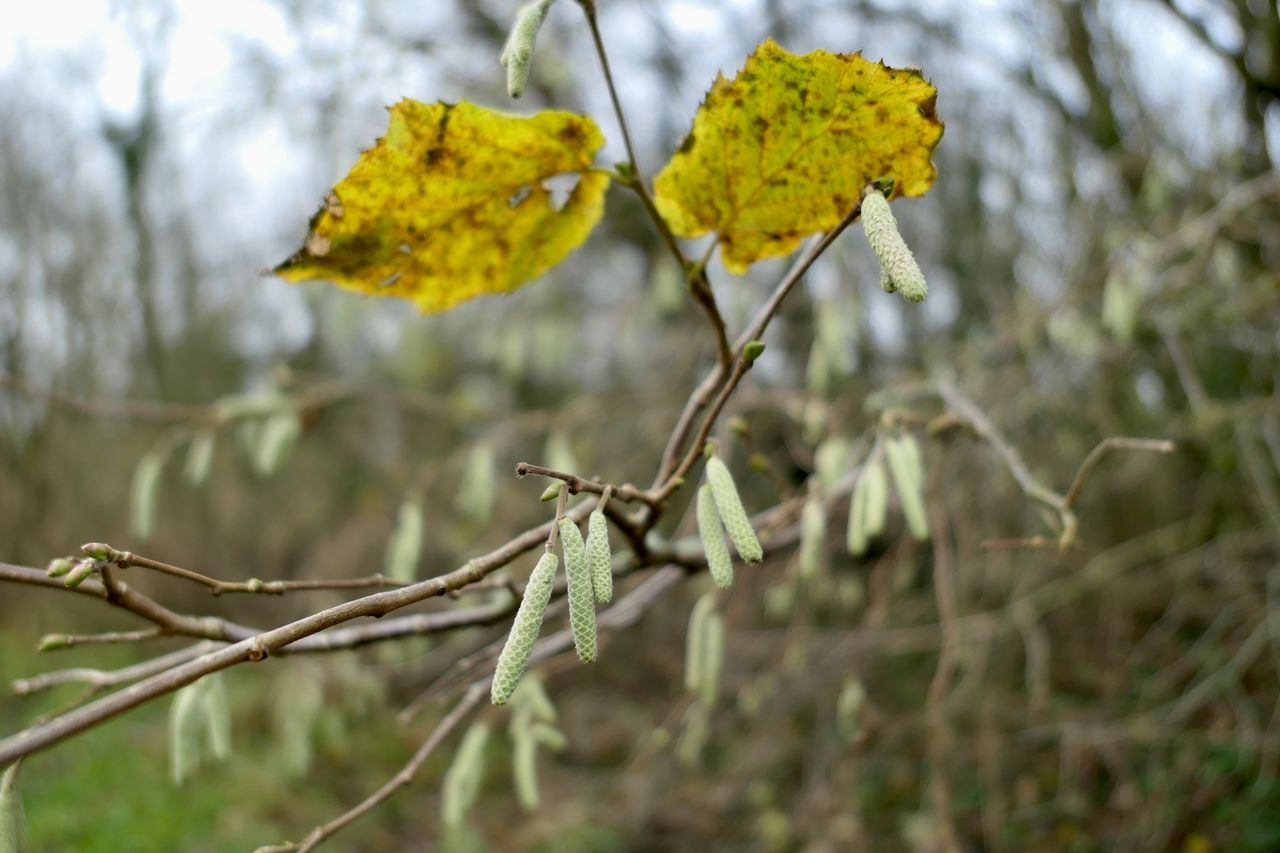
(785, 149)
(453, 202)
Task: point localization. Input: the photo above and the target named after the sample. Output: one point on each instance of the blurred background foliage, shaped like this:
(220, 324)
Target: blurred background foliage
(1102, 247)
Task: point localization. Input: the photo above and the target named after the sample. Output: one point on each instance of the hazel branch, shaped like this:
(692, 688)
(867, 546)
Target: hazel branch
(128, 559)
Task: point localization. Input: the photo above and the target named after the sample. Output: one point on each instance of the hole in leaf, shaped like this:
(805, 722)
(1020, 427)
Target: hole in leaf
(560, 187)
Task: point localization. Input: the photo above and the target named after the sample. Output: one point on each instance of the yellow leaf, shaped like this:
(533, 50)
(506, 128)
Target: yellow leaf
(785, 149)
(453, 203)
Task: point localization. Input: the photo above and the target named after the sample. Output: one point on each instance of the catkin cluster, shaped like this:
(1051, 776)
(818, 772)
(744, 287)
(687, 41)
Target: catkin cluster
(870, 502)
(898, 268)
(589, 571)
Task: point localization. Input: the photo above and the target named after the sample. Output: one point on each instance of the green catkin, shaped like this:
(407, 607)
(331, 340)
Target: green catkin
(186, 721)
(830, 461)
(813, 530)
(199, 458)
(694, 734)
(732, 513)
(908, 479)
(711, 529)
(549, 736)
(898, 267)
(868, 507)
(695, 640)
(217, 713)
(404, 549)
(475, 493)
(599, 560)
(517, 56)
(462, 780)
(877, 506)
(142, 494)
(297, 700)
(524, 766)
(13, 830)
(533, 700)
(524, 629)
(278, 436)
(849, 709)
(712, 663)
(581, 594)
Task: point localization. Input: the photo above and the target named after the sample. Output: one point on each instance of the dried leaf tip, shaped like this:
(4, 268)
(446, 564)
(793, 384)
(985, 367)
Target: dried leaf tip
(898, 268)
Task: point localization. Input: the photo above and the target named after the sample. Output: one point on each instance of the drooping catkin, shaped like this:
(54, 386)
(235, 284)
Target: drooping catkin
(475, 490)
(898, 267)
(217, 712)
(404, 548)
(463, 778)
(695, 641)
(732, 513)
(199, 458)
(517, 55)
(813, 531)
(581, 595)
(908, 478)
(599, 560)
(712, 663)
(524, 765)
(13, 829)
(186, 725)
(142, 493)
(524, 629)
(849, 706)
(711, 529)
(868, 507)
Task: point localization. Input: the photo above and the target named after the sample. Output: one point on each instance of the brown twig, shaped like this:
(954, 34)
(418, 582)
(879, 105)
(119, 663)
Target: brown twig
(1063, 506)
(576, 484)
(406, 775)
(127, 559)
(259, 646)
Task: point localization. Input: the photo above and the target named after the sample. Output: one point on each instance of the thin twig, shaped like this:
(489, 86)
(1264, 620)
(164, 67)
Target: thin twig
(406, 775)
(54, 642)
(940, 685)
(576, 484)
(1102, 449)
(127, 559)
